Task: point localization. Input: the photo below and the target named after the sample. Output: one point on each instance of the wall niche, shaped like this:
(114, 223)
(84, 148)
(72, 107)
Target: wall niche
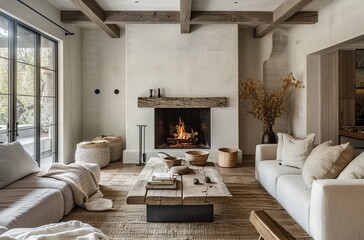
(275, 68)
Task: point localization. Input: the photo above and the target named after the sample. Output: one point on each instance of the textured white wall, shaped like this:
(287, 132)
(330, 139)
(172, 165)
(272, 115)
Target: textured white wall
(103, 68)
(253, 52)
(334, 27)
(274, 69)
(69, 104)
(203, 63)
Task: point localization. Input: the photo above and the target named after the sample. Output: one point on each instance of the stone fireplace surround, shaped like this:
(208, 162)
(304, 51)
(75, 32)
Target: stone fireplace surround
(185, 103)
(183, 106)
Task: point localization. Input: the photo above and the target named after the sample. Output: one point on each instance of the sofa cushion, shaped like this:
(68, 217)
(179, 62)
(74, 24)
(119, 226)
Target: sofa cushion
(33, 181)
(295, 151)
(355, 169)
(280, 146)
(294, 195)
(16, 163)
(280, 143)
(21, 208)
(270, 170)
(326, 162)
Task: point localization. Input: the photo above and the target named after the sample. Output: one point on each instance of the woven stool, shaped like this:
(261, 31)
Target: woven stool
(93, 152)
(115, 146)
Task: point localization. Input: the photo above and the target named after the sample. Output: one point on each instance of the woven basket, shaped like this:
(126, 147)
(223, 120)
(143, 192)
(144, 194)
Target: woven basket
(93, 152)
(198, 158)
(115, 146)
(228, 157)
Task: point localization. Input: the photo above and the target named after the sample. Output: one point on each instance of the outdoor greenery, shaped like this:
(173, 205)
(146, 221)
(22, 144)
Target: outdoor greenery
(26, 82)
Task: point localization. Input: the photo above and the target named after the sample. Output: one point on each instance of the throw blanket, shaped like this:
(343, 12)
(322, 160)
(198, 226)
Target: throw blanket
(56, 231)
(83, 183)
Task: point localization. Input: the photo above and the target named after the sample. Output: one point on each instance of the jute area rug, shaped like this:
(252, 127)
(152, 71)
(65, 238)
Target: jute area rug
(231, 220)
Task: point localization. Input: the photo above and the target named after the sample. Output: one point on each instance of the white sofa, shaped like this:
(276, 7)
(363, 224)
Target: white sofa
(33, 201)
(332, 209)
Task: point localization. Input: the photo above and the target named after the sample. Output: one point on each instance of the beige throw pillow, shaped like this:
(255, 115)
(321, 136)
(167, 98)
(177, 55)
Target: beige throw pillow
(355, 169)
(326, 162)
(295, 151)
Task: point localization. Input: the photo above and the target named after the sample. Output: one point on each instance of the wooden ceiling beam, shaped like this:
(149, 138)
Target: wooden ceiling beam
(124, 17)
(197, 17)
(95, 13)
(185, 15)
(204, 17)
(303, 18)
(283, 12)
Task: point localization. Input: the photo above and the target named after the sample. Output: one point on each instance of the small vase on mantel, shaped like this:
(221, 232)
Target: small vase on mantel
(269, 137)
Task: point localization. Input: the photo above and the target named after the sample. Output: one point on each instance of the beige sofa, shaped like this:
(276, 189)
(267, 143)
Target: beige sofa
(331, 210)
(34, 201)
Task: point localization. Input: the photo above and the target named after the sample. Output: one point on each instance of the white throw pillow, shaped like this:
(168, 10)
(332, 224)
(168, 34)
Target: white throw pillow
(15, 163)
(295, 151)
(280, 146)
(326, 161)
(355, 169)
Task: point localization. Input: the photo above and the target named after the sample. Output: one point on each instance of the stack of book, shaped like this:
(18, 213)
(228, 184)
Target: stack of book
(162, 181)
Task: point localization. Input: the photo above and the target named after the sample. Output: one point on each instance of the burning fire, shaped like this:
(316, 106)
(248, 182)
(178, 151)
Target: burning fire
(181, 132)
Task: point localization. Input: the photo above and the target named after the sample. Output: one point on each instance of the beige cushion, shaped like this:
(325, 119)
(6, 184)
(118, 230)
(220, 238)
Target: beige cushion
(326, 161)
(355, 169)
(15, 163)
(295, 151)
(25, 208)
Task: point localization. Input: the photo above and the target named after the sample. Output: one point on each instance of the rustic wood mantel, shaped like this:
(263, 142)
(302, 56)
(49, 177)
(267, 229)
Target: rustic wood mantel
(182, 102)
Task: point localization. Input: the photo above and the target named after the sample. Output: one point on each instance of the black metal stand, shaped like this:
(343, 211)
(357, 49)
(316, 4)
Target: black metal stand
(142, 155)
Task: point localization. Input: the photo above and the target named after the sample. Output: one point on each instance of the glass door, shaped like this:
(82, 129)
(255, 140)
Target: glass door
(28, 90)
(48, 103)
(25, 90)
(4, 80)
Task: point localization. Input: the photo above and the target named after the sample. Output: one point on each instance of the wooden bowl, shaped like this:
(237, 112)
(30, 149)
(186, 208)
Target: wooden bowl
(172, 161)
(198, 158)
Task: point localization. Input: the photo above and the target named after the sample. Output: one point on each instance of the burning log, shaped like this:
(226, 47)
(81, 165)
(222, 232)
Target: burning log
(181, 133)
(190, 141)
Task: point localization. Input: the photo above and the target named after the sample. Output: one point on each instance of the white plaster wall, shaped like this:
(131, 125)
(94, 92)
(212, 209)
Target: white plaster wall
(339, 22)
(69, 102)
(253, 52)
(103, 68)
(274, 69)
(69, 69)
(203, 63)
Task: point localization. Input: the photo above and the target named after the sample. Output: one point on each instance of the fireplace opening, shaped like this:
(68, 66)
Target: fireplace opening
(182, 128)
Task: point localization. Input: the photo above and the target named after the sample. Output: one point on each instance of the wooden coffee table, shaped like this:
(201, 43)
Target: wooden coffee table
(188, 203)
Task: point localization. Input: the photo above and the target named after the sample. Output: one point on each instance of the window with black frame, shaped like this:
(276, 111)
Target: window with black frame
(28, 90)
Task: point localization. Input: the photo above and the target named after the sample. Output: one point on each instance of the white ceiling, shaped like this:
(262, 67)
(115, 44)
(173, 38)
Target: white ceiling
(197, 5)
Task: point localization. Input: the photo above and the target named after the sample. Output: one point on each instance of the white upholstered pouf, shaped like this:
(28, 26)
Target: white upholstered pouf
(115, 146)
(93, 152)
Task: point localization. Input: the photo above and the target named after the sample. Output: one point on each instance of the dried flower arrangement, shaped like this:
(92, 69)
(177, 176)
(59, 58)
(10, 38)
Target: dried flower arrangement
(264, 106)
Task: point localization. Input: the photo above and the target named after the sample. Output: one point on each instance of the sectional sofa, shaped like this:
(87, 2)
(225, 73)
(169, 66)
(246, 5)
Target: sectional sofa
(27, 200)
(332, 209)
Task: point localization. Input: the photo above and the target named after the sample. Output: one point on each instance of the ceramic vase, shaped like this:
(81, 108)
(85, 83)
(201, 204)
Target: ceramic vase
(269, 137)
